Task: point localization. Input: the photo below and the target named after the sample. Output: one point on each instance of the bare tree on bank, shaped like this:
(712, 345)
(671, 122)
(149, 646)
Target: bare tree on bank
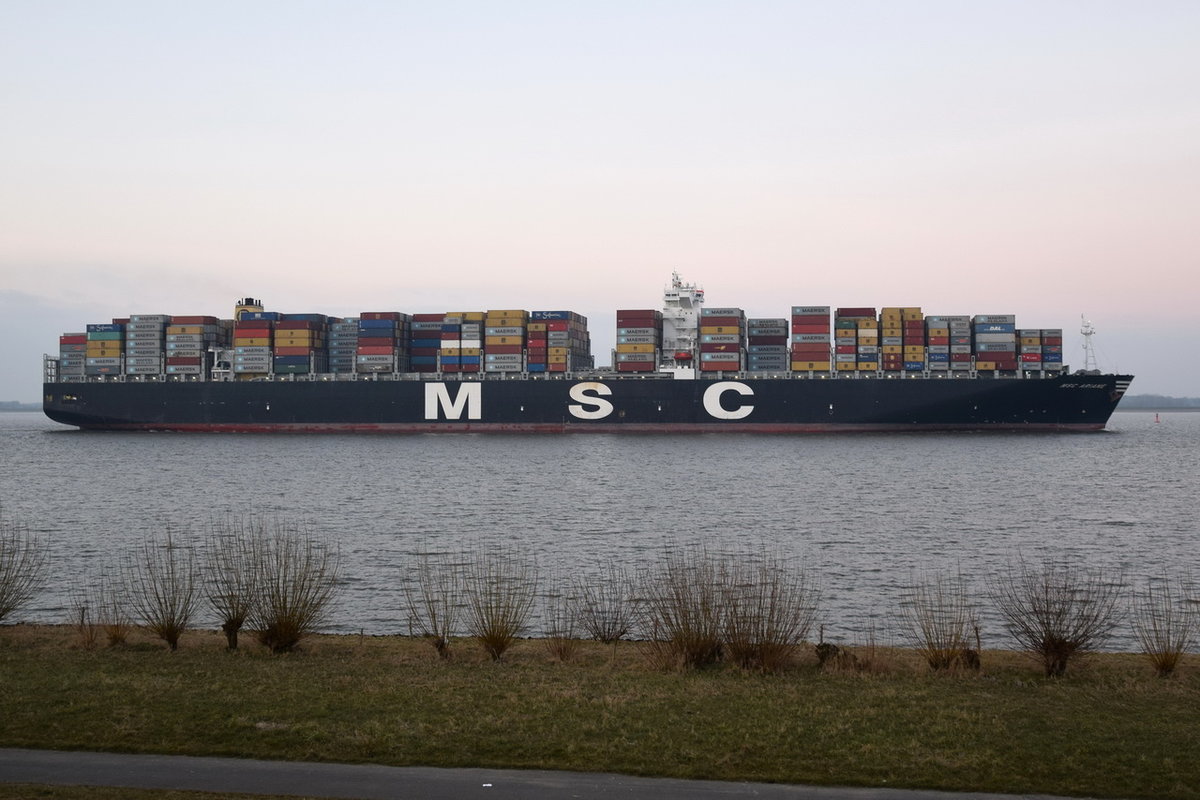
(604, 604)
(560, 620)
(499, 587)
(164, 588)
(232, 554)
(769, 608)
(102, 606)
(941, 622)
(434, 600)
(1164, 623)
(681, 609)
(23, 564)
(1057, 612)
(296, 581)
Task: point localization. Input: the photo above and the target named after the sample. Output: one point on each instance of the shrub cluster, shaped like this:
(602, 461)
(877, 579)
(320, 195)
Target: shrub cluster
(689, 608)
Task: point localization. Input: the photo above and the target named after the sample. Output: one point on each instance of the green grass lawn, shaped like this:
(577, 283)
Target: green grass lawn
(1109, 728)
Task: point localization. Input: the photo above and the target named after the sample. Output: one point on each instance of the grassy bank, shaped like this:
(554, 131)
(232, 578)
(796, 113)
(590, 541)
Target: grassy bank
(1108, 729)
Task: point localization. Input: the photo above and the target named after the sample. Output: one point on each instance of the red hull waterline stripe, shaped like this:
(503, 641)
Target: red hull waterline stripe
(500, 427)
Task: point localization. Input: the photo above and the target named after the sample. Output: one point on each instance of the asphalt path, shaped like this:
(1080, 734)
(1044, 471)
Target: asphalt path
(373, 782)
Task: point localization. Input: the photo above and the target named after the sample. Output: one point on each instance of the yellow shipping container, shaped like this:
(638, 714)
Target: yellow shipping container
(868, 341)
(537, 326)
(1032, 341)
(891, 331)
(451, 351)
(471, 351)
(914, 350)
(556, 359)
(865, 366)
(867, 323)
(723, 330)
(179, 329)
(557, 351)
(504, 322)
(805, 366)
(503, 339)
(845, 366)
(295, 341)
(471, 316)
(255, 341)
(892, 349)
(634, 348)
(939, 331)
(913, 314)
(985, 365)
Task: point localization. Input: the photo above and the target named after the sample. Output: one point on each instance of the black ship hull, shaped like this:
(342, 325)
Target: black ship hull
(593, 403)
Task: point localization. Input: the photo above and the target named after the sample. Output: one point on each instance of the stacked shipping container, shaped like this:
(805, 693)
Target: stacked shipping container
(72, 354)
(462, 342)
(382, 342)
(856, 339)
(504, 333)
(767, 345)
(995, 341)
(189, 339)
(342, 344)
(810, 339)
(722, 339)
(104, 348)
(300, 344)
(145, 344)
(558, 342)
(639, 340)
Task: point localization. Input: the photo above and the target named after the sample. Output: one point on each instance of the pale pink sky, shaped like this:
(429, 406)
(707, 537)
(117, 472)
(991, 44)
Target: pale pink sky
(1041, 159)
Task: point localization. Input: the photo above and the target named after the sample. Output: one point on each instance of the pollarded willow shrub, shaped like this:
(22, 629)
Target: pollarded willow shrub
(769, 607)
(1164, 621)
(295, 585)
(434, 598)
(23, 563)
(164, 587)
(941, 622)
(499, 588)
(681, 608)
(1058, 612)
(232, 552)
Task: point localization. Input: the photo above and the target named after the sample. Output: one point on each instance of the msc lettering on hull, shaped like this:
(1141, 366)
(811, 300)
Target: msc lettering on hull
(722, 401)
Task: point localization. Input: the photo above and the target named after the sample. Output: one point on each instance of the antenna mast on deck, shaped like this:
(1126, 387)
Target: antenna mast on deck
(1089, 350)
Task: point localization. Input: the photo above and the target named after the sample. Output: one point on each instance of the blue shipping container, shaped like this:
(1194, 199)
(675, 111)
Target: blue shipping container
(105, 328)
(545, 315)
(270, 315)
(996, 327)
(377, 324)
(914, 365)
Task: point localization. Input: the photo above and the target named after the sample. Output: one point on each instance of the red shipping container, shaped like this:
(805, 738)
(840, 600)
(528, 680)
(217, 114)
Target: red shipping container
(293, 351)
(253, 323)
(706, 322)
(536, 352)
(810, 319)
(719, 348)
(72, 339)
(858, 311)
(1031, 357)
(935, 340)
(376, 341)
(503, 349)
(452, 368)
(800, 327)
(194, 320)
(917, 325)
(420, 317)
(424, 351)
(183, 361)
(297, 325)
(451, 337)
(536, 336)
(843, 349)
(389, 315)
(773, 340)
(635, 366)
(369, 350)
(960, 356)
(1051, 341)
(810, 353)
(556, 368)
(564, 325)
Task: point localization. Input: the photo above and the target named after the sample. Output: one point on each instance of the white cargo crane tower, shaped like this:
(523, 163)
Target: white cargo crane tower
(681, 327)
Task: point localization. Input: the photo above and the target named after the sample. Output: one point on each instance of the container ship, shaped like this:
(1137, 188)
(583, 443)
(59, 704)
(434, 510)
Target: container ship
(683, 367)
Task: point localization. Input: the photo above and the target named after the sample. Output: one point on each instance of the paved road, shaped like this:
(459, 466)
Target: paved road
(371, 782)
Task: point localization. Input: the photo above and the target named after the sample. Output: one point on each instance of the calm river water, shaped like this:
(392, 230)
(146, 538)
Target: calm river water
(864, 512)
